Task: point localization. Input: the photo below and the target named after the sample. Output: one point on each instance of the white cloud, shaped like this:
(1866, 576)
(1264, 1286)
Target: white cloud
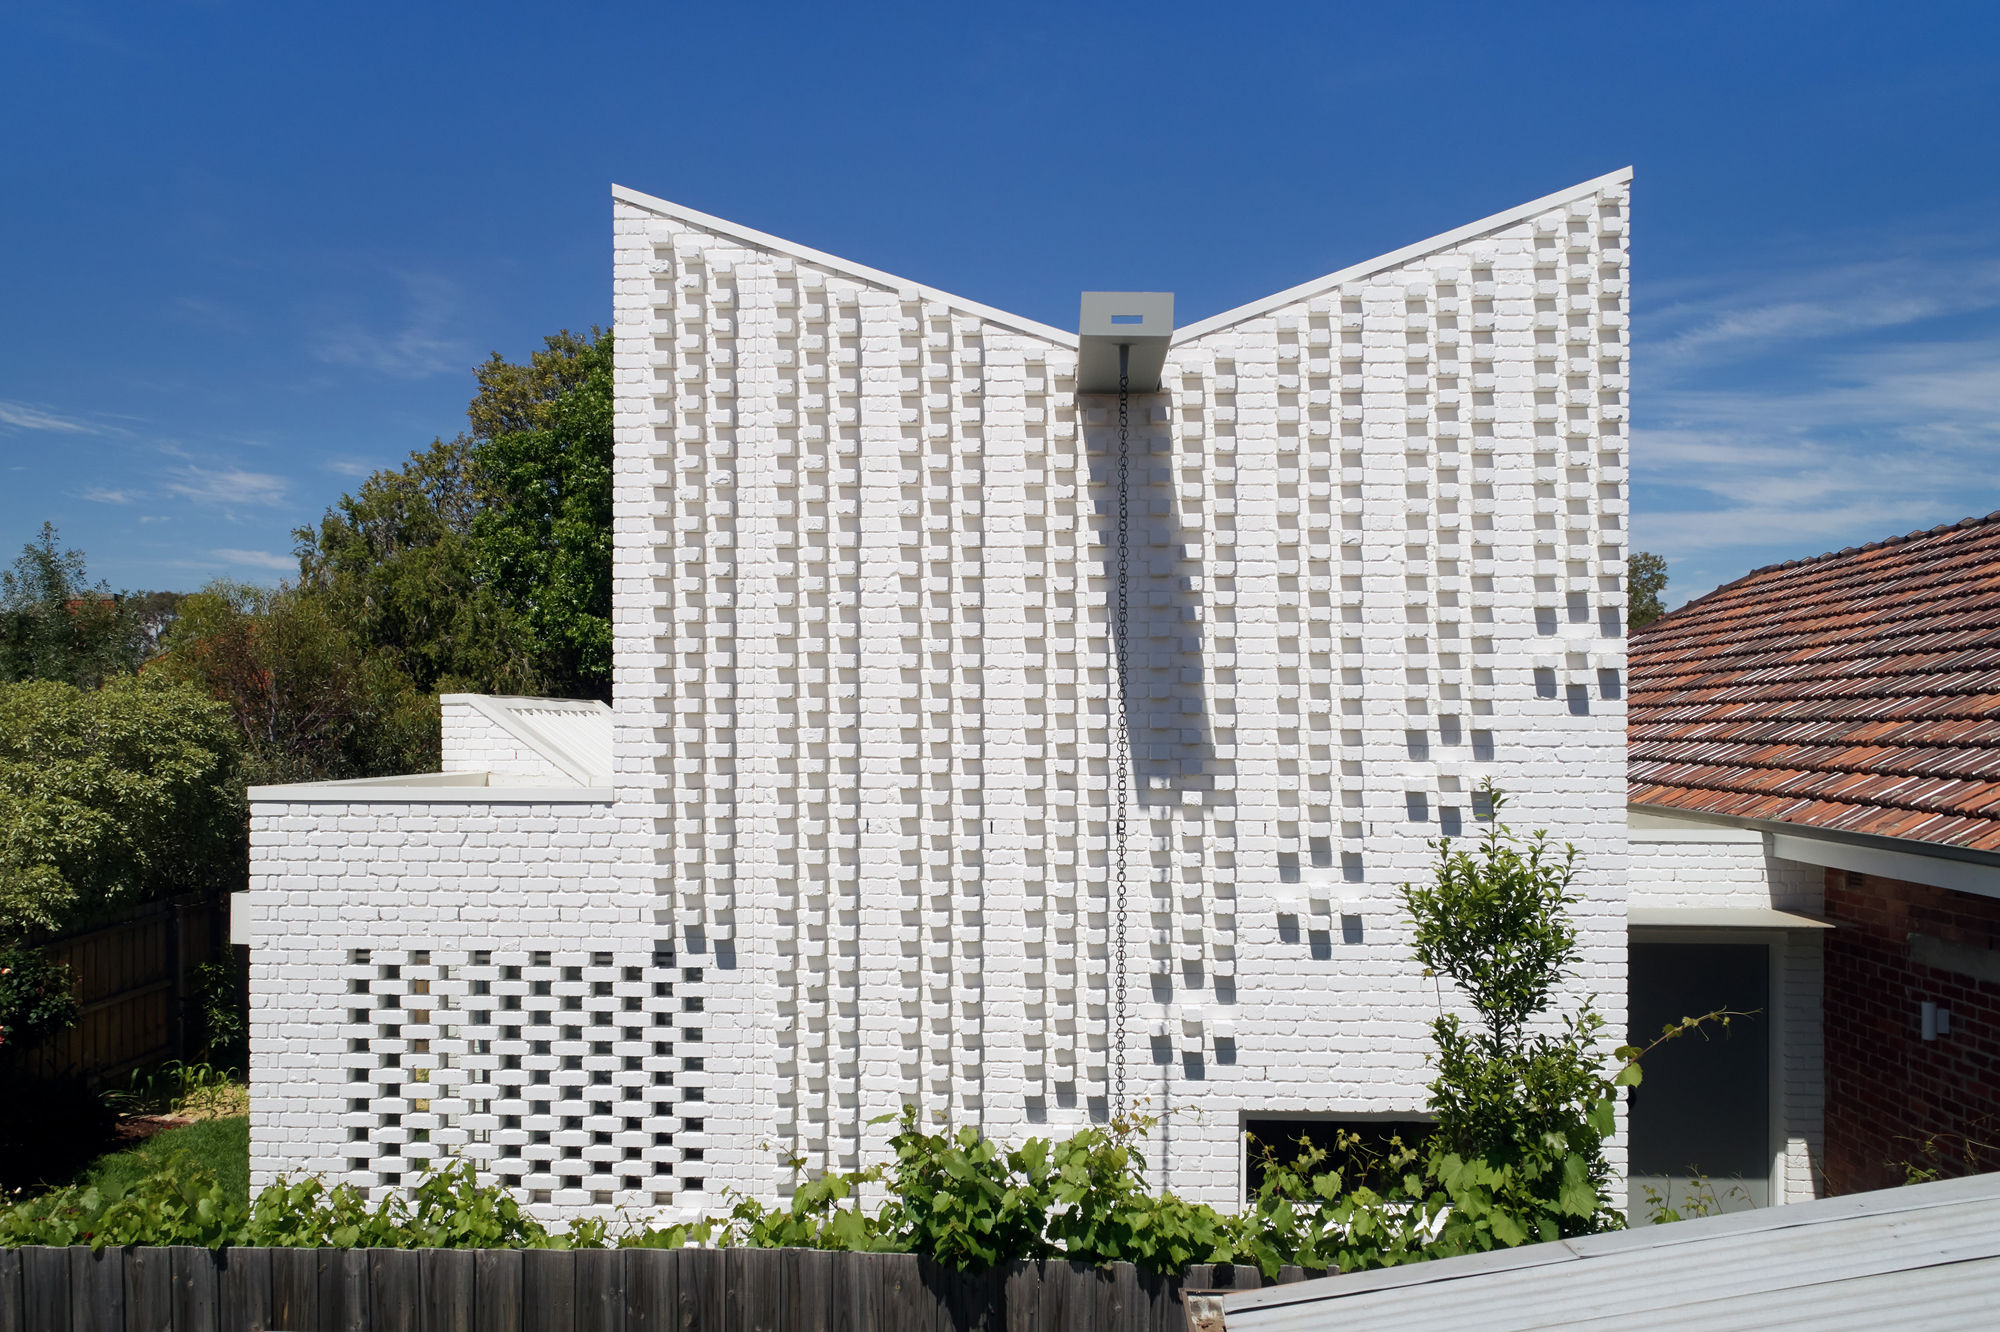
(226, 485)
(1736, 316)
(1816, 409)
(107, 495)
(261, 559)
(24, 417)
(414, 351)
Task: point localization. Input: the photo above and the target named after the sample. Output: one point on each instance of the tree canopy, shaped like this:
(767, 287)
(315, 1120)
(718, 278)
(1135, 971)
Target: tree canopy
(1645, 582)
(484, 563)
(309, 701)
(112, 796)
(55, 624)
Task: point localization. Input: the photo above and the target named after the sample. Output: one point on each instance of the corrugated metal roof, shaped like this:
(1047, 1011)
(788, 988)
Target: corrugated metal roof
(1857, 691)
(1922, 1257)
(572, 733)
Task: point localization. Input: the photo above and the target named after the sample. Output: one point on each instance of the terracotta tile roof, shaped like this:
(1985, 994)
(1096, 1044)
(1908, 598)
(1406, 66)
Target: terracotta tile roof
(1859, 690)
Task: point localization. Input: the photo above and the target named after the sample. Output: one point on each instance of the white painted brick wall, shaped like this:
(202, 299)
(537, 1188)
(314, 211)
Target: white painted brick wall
(862, 553)
(419, 888)
(861, 706)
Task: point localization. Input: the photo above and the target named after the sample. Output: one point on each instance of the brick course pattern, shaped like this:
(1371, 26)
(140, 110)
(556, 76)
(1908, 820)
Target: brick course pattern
(1889, 1091)
(862, 690)
(861, 733)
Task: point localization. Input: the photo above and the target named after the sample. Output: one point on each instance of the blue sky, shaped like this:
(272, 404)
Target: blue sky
(253, 251)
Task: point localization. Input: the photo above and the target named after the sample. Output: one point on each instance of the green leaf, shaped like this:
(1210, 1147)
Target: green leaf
(1508, 1230)
(1578, 1198)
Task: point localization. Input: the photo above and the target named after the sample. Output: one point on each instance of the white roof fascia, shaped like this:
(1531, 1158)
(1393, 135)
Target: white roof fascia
(427, 779)
(1369, 267)
(399, 791)
(1720, 918)
(1935, 871)
(780, 245)
(548, 747)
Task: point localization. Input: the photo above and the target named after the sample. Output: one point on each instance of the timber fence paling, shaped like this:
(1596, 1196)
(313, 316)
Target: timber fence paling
(133, 979)
(188, 1289)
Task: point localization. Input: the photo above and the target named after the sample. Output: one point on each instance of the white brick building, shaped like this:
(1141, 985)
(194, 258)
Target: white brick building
(850, 849)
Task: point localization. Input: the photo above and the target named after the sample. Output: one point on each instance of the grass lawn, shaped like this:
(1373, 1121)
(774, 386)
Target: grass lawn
(221, 1145)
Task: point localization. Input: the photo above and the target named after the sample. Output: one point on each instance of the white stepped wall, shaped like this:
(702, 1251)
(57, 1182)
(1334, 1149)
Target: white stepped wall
(862, 686)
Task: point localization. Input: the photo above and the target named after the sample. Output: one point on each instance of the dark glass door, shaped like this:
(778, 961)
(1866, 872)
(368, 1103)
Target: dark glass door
(1703, 1111)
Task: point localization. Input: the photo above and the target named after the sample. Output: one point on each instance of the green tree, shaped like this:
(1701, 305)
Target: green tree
(1523, 1103)
(516, 399)
(308, 700)
(484, 563)
(546, 536)
(56, 625)
(1645, 580)
(399, 568)
(112, 796)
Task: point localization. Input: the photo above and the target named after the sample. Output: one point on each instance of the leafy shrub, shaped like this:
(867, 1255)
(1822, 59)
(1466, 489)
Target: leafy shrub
(37, 998)
(111, 796)
(182, 1202)
(1316, 1218)
(1522, 1113)
(218, 1003)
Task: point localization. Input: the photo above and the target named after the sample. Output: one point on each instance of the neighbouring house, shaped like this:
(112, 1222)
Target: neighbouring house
(1815, 835)
(847, 841)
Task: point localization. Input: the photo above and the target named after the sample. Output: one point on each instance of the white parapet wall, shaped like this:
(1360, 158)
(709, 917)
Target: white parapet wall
(560, 741)
(861, 749)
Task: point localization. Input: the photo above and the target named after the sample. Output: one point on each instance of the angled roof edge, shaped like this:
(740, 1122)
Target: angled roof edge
(780, 245)
(552, 748)
(1368, 267)
(1907, 846)
(1846, 553)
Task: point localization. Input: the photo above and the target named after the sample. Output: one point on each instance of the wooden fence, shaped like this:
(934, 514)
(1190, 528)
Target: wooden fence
(182, 1289)
(134, 982)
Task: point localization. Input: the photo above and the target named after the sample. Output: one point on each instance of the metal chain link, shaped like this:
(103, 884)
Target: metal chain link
(1121, 752)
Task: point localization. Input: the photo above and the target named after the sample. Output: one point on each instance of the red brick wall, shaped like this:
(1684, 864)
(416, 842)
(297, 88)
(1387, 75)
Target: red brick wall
(1893, 1097)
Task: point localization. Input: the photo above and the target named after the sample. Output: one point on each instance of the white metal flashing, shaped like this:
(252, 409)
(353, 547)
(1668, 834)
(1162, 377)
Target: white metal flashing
(1369, 267)
(1885, 864)
(574, 734)
(1721, 918)
(432, 788)
(779, 245)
